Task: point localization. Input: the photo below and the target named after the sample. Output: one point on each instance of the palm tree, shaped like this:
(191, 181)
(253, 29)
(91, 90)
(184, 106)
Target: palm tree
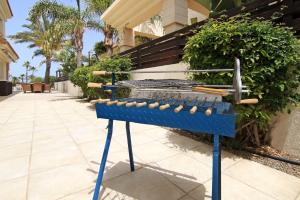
(33, 70)
(22, 77)
(97, 8)
(44, 32)
(15, 80)
(27, 66)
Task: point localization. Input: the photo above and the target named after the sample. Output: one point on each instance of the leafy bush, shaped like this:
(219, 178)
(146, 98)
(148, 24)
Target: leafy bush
(270, 62)
(82, 76)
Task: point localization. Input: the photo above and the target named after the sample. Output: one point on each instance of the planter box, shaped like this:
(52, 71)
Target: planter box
(26, 87)
(37, 87)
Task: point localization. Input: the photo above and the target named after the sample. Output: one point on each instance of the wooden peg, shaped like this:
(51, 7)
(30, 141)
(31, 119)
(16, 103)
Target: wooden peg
(211, 91)
(153, 105)
(131, 104)
(178, 109)
(193, 110)
(101, 73)
(94, 85)
(208, 111)
(164, 107)
(100, 101)
(121, 103)
(248, 101)
(141, 104)
(110, 103)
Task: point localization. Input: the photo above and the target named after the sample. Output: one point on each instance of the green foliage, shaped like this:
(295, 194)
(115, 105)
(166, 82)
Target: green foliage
(99, 48)
(37, 80)
(83, 75)
(270, 62)
(67, 58)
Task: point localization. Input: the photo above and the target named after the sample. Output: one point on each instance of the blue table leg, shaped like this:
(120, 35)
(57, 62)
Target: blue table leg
(216, 179)
(129, 146)
(103, 161)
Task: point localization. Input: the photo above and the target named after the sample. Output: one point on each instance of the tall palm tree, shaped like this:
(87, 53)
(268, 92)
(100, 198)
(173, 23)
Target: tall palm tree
(33, 70)
(43, 32)
(27, 67)
(97, 8)
(22, 77)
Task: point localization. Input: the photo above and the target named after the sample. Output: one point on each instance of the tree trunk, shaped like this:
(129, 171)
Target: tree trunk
(47, 73)
(79, 45)
(108, 39)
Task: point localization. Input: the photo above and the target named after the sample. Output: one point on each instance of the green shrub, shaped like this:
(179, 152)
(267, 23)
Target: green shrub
(82, 76)
(270, 62)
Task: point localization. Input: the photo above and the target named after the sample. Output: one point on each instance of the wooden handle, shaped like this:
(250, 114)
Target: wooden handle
(164, 107)
(110, 103)
(121, 103)
(141, 104)
(248, 101)
(178, 109)
(208, 112)
(153, 105)
(193, 110)
(131, 104)
(94, 85)
(211, 91)
(101, 73)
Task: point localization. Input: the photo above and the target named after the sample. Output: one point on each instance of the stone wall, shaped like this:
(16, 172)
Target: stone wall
(69, 88)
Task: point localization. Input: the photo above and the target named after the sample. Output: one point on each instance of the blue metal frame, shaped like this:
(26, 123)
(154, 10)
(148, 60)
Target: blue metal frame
(218, 124)
(129, 146)
(216, 176)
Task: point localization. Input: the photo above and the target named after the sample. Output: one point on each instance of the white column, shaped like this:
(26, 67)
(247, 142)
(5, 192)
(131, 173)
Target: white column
(2, 71)
(174, 15)
(126, 38)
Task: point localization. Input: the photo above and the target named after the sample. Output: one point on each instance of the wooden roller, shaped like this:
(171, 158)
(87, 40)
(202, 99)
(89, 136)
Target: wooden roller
(211, 91)
(164, 107)
(141, 104)
(131, 104)
(121, 103)
(153, 105)
(94, 85)
(178, 109)
(248, 101)
(193, 110)
(100, 101)
(101, 73)
(208, 111)
(110, 103)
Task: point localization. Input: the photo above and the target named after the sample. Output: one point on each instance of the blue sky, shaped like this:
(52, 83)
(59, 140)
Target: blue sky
(20, 10)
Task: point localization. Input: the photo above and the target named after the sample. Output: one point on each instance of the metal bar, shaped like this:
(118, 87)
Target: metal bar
(216, 179)
(177, 71)
(129, 146)
(103, 161)
(113, 82)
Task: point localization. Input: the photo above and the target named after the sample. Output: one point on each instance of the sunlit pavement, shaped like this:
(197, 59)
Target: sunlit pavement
(51, 146)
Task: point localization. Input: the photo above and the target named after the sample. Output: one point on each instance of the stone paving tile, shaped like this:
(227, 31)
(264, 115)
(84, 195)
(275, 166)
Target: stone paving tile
(15, 151)
(144, 183)
(14, 189)
(47, 160)
(184, 171)
(59, 182)
(231, 189)
(81, 195)
(271, 181)
(14, 168)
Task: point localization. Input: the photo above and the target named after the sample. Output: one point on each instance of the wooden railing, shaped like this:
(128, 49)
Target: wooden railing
(168, 49)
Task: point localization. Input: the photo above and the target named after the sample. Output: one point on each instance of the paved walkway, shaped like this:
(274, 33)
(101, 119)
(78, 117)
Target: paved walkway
(51, 145)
